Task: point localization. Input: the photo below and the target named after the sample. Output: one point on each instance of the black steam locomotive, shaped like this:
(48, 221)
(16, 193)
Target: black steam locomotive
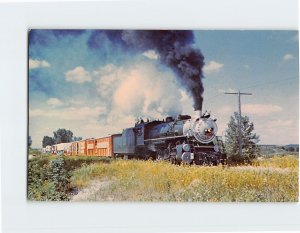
(185, 139)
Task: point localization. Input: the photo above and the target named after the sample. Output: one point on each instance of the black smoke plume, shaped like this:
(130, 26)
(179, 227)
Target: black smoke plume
(175, 50)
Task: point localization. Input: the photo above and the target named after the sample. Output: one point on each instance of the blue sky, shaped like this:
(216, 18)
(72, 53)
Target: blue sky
(89, 82)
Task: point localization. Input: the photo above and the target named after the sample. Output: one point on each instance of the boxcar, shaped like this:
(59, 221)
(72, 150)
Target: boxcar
(104, 146)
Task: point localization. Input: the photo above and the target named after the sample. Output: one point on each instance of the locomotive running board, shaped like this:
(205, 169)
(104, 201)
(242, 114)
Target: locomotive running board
(171, 137)
(203, 147)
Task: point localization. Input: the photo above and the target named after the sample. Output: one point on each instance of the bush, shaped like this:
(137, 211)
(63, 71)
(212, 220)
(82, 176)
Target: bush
(35, 152)
(49, 176)
(74, 162)
(48, 179)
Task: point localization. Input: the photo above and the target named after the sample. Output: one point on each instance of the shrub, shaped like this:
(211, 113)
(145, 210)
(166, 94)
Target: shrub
(49, 176)
(48, 179)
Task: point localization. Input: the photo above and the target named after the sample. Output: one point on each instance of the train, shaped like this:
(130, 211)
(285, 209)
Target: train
(183, 139)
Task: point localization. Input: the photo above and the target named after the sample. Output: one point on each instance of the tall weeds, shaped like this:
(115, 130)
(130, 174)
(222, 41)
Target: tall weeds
(161, 181)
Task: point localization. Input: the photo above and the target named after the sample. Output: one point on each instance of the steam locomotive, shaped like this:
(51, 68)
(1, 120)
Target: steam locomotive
(184, 139)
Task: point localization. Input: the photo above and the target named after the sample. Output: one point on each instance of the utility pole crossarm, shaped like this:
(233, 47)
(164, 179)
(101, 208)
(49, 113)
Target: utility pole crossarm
(236, 93)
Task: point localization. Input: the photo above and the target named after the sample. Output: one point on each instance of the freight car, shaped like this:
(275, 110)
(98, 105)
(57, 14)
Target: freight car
(93, 147)
(64, 148)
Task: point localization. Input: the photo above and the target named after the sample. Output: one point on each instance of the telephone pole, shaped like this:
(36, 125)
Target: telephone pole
(240, 116)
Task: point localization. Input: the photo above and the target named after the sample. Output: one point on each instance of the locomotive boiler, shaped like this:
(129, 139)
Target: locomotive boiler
(183, 139)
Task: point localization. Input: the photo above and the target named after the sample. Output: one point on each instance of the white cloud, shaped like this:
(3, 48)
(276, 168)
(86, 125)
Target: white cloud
(76, 101)
(71, 113)
(246, 66)
(252, 109)
(212, 67)
(261, 109)
(227, 90)
(226, 109)
(277, 131)
(78, 75)
(34, 64)
(151, 54)
(55, 102)
(279, 123)
(104, 70)
(108, 79)
(288, 57)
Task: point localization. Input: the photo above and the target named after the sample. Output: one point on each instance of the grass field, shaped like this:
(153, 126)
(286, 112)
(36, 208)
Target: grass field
(271, 180)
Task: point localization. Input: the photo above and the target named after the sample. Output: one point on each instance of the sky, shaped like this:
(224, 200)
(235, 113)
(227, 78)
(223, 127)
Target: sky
(92, 83)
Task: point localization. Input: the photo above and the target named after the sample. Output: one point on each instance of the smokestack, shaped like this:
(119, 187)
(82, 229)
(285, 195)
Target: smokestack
(197, 114)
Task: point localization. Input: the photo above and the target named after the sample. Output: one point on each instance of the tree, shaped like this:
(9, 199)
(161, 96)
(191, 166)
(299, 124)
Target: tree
(249, 140)
(62, 135)
(76, 138)
(29, 141)
(291, 149)
(48, 141)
